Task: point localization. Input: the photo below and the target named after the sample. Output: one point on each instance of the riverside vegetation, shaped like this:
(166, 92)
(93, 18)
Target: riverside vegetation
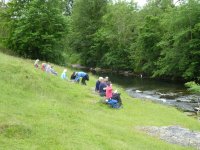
(159, 40)
(41, 111)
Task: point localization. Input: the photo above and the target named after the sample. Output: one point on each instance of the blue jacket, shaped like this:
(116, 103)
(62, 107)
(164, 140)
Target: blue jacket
(97, 85)
(79, 75)
(101, 87)
(64, 75)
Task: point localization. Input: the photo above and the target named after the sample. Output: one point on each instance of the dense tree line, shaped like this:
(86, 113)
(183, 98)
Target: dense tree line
(162, 39)
(36, 28)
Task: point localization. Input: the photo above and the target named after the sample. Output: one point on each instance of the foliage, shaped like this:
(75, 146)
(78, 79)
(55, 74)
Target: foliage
(3, 24)
(194, 87)
(160, 40)
(147, 50)
(117, 33)
(37, 28)
(86, 18)
(180, 43)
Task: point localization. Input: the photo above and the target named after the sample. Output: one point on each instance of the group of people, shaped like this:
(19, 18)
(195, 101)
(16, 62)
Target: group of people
(76, 76)
(45, 67)
(104, 88)
(103, 85)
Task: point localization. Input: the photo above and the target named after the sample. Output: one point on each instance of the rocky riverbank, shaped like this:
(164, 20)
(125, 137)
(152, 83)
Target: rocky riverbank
(183, 101)
(174, 135)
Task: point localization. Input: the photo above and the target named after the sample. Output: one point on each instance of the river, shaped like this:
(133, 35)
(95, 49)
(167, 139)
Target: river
(164, 92)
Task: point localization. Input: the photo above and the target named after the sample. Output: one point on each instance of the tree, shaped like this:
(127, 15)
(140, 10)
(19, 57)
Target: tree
(86, 21)
(117, 34)
(180, 44)
(37, 28)
(145, 49)
(3, 24)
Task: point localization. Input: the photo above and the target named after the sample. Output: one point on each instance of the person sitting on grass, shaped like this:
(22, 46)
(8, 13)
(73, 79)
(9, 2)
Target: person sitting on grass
(43, 66)
(64, 74)
(102, 88)
(53, 71)
(115, 101)
(107, 80)
(109, 91)
(98, 83)
(82, 75)
(48, 68)
(36, 64)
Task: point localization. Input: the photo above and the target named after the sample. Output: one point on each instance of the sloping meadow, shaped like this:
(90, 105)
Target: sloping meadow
(41, 111)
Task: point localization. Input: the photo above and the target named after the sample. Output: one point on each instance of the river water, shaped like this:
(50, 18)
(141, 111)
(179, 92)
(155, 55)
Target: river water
(164, 92)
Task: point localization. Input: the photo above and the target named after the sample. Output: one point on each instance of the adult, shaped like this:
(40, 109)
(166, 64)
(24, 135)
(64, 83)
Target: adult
(53, 71)
(109, 90)
(48, 68)
(115, 101)
(73, 76)
(82, 75)
(98, 83)
(102, 88)
(107, 80)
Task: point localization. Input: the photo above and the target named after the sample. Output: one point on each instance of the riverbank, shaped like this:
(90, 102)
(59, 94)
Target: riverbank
(127, 73)
(41, 111)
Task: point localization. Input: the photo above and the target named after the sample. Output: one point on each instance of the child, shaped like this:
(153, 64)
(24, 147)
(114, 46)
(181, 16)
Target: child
(36, 65)
(64, 74)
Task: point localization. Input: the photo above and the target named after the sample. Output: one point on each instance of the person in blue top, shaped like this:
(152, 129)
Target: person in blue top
(82, 75)
(102, 88)
(98, 83)
(64, 74)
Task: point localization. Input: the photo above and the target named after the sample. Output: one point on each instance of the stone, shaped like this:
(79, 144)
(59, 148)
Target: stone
(174, 134)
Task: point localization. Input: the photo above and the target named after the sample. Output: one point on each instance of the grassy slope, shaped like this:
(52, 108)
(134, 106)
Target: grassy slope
(40, 111)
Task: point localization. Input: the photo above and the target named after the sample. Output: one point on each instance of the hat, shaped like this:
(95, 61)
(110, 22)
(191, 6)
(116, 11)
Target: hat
(65, 70)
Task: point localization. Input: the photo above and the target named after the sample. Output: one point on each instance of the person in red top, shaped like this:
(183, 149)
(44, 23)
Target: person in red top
(109, 91)
(43, 67)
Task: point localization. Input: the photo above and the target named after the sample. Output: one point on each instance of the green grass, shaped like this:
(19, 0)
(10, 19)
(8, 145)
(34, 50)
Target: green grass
(39, 111)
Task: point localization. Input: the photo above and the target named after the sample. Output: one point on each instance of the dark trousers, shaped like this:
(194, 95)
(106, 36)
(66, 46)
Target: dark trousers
(86, 77)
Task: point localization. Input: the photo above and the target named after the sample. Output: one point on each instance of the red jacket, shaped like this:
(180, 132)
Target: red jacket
(108, 91)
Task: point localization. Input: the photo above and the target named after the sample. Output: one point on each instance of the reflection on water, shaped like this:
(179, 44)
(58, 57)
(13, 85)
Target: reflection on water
(164, 92)
(144, 83)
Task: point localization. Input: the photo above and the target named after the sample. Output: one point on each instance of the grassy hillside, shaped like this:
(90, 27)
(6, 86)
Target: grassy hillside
(39, 111)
